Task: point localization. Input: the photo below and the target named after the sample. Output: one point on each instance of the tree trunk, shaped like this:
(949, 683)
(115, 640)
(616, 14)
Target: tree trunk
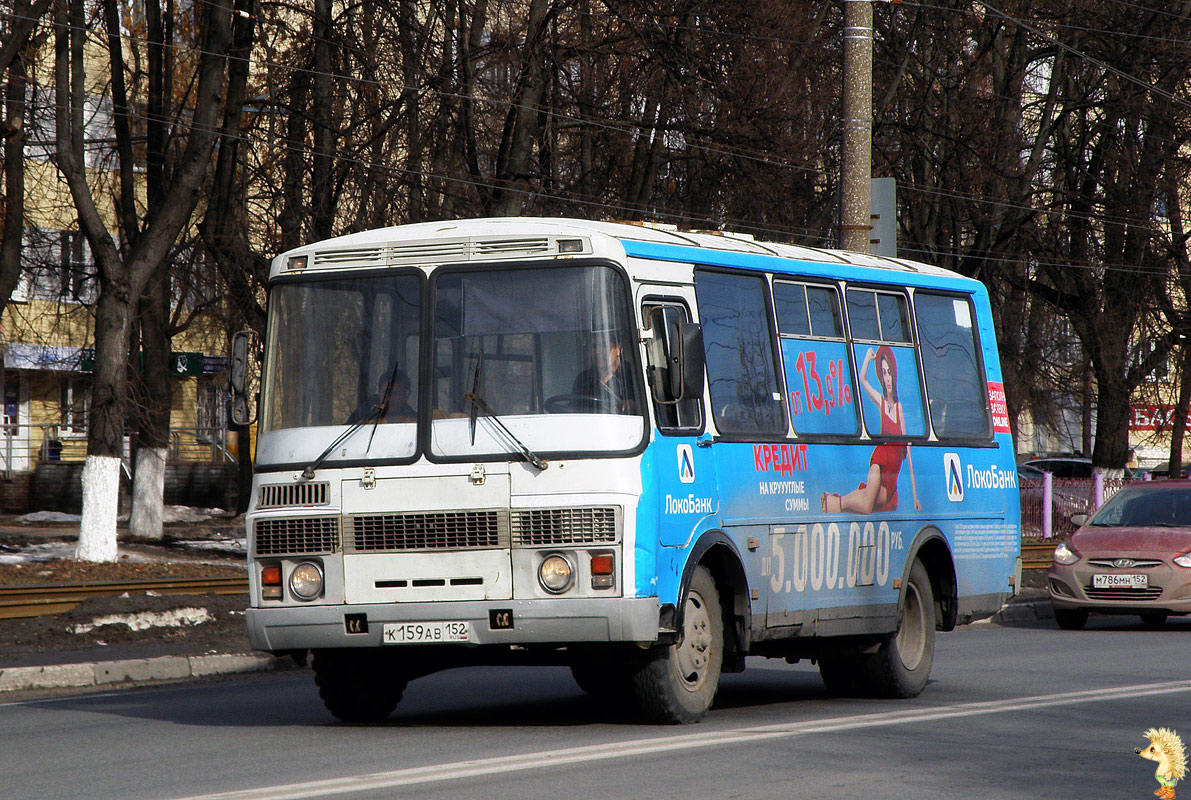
(13, 221)
(1178, 431)
(152, 413)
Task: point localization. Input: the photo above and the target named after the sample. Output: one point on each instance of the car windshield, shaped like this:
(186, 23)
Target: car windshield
(1145, 507)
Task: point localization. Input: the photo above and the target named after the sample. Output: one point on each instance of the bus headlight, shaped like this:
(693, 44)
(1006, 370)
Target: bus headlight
(306, 581)
(556, 574)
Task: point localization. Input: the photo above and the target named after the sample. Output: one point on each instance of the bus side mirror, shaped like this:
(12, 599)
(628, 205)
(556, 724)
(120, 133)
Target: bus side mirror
(690, 373)
(241, 372)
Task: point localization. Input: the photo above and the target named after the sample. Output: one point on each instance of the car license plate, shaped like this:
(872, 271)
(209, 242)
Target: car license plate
(1119, 581)
(425, 632)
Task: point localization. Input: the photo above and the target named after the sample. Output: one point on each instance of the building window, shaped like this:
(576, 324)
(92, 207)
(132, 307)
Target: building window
(211, 404)
(74, 400)
(58, 266)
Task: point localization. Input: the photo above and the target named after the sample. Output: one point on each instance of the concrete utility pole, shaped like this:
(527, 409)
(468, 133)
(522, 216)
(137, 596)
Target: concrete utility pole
(856, 167)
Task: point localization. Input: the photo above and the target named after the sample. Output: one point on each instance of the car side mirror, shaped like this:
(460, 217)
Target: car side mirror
(1079, 520)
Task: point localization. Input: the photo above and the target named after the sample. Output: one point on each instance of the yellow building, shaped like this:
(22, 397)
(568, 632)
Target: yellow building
(46, 341)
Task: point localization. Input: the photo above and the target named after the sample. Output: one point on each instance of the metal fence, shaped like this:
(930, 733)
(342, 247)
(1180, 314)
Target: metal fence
(22, 447)
(1065, 498)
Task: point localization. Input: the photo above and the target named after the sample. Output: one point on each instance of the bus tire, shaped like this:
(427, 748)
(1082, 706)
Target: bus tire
(902, 663)
(677, 683)
(841, 676)
(358, 684)
(604, 672)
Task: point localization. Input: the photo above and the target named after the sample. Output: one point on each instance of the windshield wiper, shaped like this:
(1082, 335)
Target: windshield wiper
(375, 415)
(475, 392)
(481, 404)
(383, 407)
(308, 472)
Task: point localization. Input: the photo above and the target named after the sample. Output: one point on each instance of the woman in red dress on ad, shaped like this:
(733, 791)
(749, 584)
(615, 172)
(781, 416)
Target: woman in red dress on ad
(879, 492)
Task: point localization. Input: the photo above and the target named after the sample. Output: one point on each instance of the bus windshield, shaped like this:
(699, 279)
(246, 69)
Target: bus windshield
(534, 347)
(516, 354)
(334, 348)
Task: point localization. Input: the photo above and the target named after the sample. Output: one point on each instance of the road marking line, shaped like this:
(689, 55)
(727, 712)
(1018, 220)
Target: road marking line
(637, 747)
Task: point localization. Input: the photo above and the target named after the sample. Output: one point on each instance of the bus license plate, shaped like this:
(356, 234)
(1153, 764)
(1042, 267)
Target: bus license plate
(1119, 581)
(425, 632)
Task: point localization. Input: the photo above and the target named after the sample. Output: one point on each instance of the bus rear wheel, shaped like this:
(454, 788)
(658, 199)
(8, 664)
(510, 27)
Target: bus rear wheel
(677, 684)
(358, 684)
(901, 665)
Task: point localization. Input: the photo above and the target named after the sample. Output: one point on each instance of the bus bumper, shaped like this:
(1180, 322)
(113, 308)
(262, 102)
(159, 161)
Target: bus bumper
(536, 621)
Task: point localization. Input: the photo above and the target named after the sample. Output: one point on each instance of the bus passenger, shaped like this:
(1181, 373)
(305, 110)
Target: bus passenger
(879, 492)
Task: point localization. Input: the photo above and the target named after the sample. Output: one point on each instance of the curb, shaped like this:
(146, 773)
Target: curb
(1031, 611)
(113, 673)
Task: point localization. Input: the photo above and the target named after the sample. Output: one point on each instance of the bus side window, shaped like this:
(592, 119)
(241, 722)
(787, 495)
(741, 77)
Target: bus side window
(673, 412)
(954, 378)
(741, 365)
(815, 356)
(891, 396)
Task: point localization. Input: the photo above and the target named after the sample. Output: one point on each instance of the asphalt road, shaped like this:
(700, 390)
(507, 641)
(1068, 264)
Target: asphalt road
(1011, 712)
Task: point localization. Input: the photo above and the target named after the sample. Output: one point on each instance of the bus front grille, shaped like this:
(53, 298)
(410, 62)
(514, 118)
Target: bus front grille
(296, 536)
(277, 495)
(551, 527)
(444, 530)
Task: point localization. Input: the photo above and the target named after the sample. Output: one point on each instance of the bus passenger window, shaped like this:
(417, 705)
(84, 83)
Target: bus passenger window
(819, 385)
(741, 368)
(887, 364)
(954, 379)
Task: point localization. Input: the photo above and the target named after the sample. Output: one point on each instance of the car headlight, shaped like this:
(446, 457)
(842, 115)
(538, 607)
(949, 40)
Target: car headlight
(306, 581)
(556, 574)
(1184, 560)
(1065, 555)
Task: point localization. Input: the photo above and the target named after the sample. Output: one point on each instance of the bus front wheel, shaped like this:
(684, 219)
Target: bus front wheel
(358, 684)
(677, 684)
(901, 665)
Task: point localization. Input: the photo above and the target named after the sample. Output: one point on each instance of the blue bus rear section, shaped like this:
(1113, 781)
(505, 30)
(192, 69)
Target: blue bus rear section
(814, 569)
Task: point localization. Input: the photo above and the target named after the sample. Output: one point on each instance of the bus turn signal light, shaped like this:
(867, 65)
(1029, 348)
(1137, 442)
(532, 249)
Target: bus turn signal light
(601, 572)
(270, 583)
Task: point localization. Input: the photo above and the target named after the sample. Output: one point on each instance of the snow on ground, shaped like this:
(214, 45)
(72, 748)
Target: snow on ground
(215, 543)
(236, 547)
(143, 620)
(42, 517)
(53, 551)
(169, 514)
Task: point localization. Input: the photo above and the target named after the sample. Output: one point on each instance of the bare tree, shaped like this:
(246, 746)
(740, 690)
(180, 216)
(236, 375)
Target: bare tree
(127, 266)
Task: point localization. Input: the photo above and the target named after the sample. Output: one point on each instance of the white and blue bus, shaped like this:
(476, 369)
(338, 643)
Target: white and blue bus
(642, 453)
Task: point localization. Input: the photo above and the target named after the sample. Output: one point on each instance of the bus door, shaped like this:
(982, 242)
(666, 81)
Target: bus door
(683, 465)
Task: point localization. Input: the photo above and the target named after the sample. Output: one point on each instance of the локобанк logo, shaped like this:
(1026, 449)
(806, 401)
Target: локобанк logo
(955, 477)
(686, 464)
